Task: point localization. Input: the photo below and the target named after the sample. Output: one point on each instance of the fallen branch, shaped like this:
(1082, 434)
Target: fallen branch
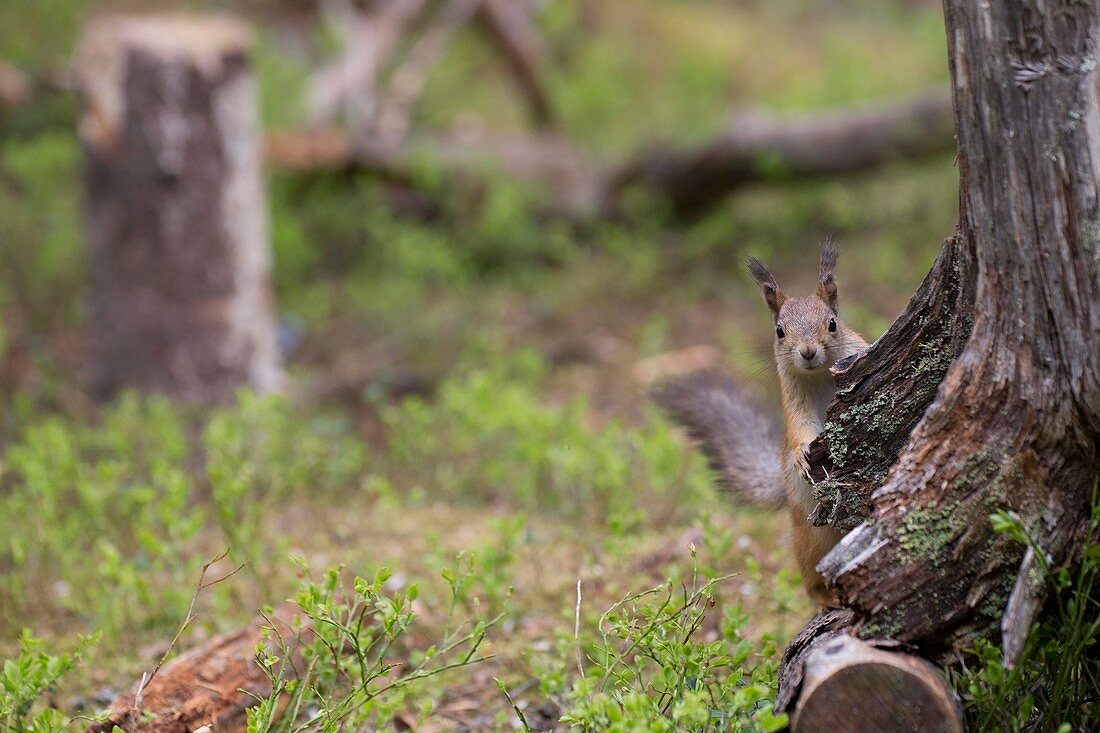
(350, 83)
(761, 147)
(756, 149)
(394, 115)
(15, 87)
(390, 52)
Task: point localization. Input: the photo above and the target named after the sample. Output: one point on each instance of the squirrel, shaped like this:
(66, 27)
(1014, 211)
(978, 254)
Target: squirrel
(742, 446)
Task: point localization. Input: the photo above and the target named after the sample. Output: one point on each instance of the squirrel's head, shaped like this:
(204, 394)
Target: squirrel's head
(809, 335)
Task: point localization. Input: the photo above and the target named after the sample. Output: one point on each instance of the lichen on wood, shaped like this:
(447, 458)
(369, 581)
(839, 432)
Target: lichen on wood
(883, 392)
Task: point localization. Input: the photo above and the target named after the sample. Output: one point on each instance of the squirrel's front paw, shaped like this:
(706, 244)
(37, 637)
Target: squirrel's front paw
(802, 460)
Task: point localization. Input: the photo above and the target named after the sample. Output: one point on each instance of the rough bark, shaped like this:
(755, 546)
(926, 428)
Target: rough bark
(176, 218)
(207, 686)
(877, 403)
(1015, 423)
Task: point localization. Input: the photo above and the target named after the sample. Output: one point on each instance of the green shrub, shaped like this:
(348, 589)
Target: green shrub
(347, 673)
(25, 680)
(118, 503)
(654, 670)
(489, 436)
(40, 243)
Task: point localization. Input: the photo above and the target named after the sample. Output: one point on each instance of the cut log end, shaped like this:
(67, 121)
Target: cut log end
(851, 685)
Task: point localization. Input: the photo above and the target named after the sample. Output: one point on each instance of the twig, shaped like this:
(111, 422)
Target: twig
(394, 114)
(577, 630)
(147, 678)
(519, 713)
(510, 25)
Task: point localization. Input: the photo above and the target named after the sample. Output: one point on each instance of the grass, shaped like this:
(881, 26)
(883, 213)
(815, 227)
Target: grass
(459, 519)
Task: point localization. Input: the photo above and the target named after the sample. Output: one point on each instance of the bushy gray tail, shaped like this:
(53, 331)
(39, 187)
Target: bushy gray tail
(741, 444)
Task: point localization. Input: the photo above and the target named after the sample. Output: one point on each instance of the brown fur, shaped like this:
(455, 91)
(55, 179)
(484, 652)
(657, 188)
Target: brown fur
(807, 387)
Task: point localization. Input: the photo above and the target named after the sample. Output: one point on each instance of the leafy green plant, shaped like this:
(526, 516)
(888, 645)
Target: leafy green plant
(356, 662)
(109, 501)
(118, 502)
(654, 669)
(1055, 686)
(489, 436)
(261, 451)
(32, 675)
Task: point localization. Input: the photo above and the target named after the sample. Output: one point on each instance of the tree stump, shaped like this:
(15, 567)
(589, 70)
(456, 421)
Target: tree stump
(180, 295)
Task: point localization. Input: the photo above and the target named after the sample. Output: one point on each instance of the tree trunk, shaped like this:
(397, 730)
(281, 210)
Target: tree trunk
(1015, 423)
(180, 290)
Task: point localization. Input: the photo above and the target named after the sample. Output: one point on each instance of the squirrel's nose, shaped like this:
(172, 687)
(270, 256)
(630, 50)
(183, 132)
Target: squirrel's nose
(808, 352)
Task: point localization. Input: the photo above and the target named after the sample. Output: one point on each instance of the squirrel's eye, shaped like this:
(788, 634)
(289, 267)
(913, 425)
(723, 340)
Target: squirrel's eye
(779, 331)
(832, 325)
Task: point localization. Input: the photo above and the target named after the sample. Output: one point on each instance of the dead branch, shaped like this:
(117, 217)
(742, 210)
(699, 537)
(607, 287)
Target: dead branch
(15, 87)
(202, 585)
(377, 83)
(508, 24)
(351, 82)
(763, 147)
(582, 187)
(394, 116)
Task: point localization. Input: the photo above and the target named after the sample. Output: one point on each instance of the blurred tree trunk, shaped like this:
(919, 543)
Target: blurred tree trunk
(994, 362)
(180, 292)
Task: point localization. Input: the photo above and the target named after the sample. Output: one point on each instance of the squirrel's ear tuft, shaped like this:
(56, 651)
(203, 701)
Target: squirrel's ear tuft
(826, 286)
(773, 296)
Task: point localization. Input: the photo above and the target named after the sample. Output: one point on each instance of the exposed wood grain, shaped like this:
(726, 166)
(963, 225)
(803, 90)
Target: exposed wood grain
(851, 685)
